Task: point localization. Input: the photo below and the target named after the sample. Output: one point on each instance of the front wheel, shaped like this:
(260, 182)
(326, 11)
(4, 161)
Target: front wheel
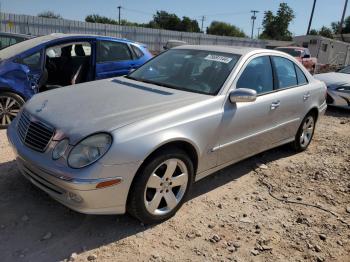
(305, 133)
(161, 186)
(10, 104)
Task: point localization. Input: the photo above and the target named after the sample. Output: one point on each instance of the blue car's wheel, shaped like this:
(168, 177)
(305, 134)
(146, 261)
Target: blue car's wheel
(10, 104)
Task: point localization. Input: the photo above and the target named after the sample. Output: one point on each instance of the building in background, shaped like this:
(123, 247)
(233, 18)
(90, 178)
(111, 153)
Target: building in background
(328, 51)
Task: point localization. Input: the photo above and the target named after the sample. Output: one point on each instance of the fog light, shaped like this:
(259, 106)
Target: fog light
(60, 149)
(74, 197)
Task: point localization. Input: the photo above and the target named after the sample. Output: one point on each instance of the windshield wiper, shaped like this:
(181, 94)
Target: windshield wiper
(153, 82)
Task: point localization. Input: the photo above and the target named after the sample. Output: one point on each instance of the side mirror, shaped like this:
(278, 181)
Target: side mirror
(306, 56)
(242, 95)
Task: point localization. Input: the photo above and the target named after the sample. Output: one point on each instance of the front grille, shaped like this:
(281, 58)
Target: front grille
(33, 133)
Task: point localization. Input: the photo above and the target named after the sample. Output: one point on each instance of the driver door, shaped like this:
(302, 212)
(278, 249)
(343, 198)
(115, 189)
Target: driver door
(33, 66)
(249, 127)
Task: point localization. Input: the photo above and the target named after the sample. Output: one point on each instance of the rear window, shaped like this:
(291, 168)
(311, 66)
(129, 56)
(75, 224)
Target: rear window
(137, 51)
(290, 51)
(110, 51)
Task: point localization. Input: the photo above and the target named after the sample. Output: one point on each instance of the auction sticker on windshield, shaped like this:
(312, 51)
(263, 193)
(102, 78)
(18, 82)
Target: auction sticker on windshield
(218, 58)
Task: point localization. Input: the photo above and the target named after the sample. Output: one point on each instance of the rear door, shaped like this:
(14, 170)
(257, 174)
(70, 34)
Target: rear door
(113, 58)
(293, 92)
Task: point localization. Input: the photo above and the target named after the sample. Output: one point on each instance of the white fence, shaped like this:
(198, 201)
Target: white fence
(154, 38)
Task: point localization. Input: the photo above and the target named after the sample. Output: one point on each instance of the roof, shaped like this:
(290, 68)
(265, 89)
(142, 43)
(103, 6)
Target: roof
(33, 42)
(239, 50)
(16, 35)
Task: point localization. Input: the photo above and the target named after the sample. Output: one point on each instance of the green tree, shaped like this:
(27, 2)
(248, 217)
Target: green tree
(49, 14)
(276, 26)
(165, 20)
(224, 29)
(188, 25)
(346, 26)
(94, 18)
(326, 32)
(313, 32)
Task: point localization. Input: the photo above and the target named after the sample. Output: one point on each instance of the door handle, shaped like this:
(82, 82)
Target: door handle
(274, 105)
(306, 96)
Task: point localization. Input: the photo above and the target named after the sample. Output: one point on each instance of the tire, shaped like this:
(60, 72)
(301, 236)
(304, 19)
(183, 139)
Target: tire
(151, 198)
(305, 133)
(10, 104)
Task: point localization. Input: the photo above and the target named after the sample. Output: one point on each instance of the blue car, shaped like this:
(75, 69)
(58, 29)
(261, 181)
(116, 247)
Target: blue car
(58, 60)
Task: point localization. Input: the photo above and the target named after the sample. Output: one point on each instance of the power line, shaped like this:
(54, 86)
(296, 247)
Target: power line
(231, 13)
(253, 20)
(206, 15)
(138, 11)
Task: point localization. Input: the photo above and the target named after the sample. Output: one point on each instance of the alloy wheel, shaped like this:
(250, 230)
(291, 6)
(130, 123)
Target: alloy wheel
(307, 132)
(9, 108)
(166, 187)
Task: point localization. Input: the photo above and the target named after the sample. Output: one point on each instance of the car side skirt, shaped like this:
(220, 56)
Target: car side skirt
(206, 173)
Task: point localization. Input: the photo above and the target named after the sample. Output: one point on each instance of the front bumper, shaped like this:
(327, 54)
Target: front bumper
(338, 99)
(75, 188)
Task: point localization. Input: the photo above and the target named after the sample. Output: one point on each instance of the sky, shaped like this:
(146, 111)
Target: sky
(236, 12)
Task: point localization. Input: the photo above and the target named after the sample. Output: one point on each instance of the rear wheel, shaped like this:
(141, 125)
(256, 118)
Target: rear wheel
(305, 133)
(10, 104)
(161, 187)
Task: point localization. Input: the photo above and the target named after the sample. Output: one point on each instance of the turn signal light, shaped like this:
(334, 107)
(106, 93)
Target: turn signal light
(109, 183)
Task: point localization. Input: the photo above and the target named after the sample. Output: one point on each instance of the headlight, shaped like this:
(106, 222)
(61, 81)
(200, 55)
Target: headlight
(89, 150)
(59, 149)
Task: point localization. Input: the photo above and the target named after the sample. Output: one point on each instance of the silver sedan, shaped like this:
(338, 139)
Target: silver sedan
(338, 87)
(138, 143)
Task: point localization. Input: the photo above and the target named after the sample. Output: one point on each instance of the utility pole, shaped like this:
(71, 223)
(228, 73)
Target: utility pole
(253, 20)
(340, 30)
(202, 20)
(311, 17)
(259, 28)
(119, 7)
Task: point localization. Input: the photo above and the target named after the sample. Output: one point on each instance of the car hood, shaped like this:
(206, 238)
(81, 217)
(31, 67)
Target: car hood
(333, 78)
(105, 105)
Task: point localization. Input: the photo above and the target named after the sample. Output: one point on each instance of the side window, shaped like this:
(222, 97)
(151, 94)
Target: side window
(108, 51)
(5, 41)
(257, 75)
(32, 61)
(137, 51)
(285, 72)
(300, 75)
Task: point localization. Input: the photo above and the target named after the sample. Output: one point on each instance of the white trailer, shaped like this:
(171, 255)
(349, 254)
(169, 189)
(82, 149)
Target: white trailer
(328, 51)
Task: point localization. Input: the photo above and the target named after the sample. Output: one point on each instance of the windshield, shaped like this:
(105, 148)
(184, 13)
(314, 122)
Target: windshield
(290, 51)
(197, 71)
(20, 47)
(345, 70)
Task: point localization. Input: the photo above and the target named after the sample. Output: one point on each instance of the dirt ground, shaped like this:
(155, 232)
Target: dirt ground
(230, 216)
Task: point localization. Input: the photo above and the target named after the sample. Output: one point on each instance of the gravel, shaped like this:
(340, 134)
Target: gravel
(230, 216)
